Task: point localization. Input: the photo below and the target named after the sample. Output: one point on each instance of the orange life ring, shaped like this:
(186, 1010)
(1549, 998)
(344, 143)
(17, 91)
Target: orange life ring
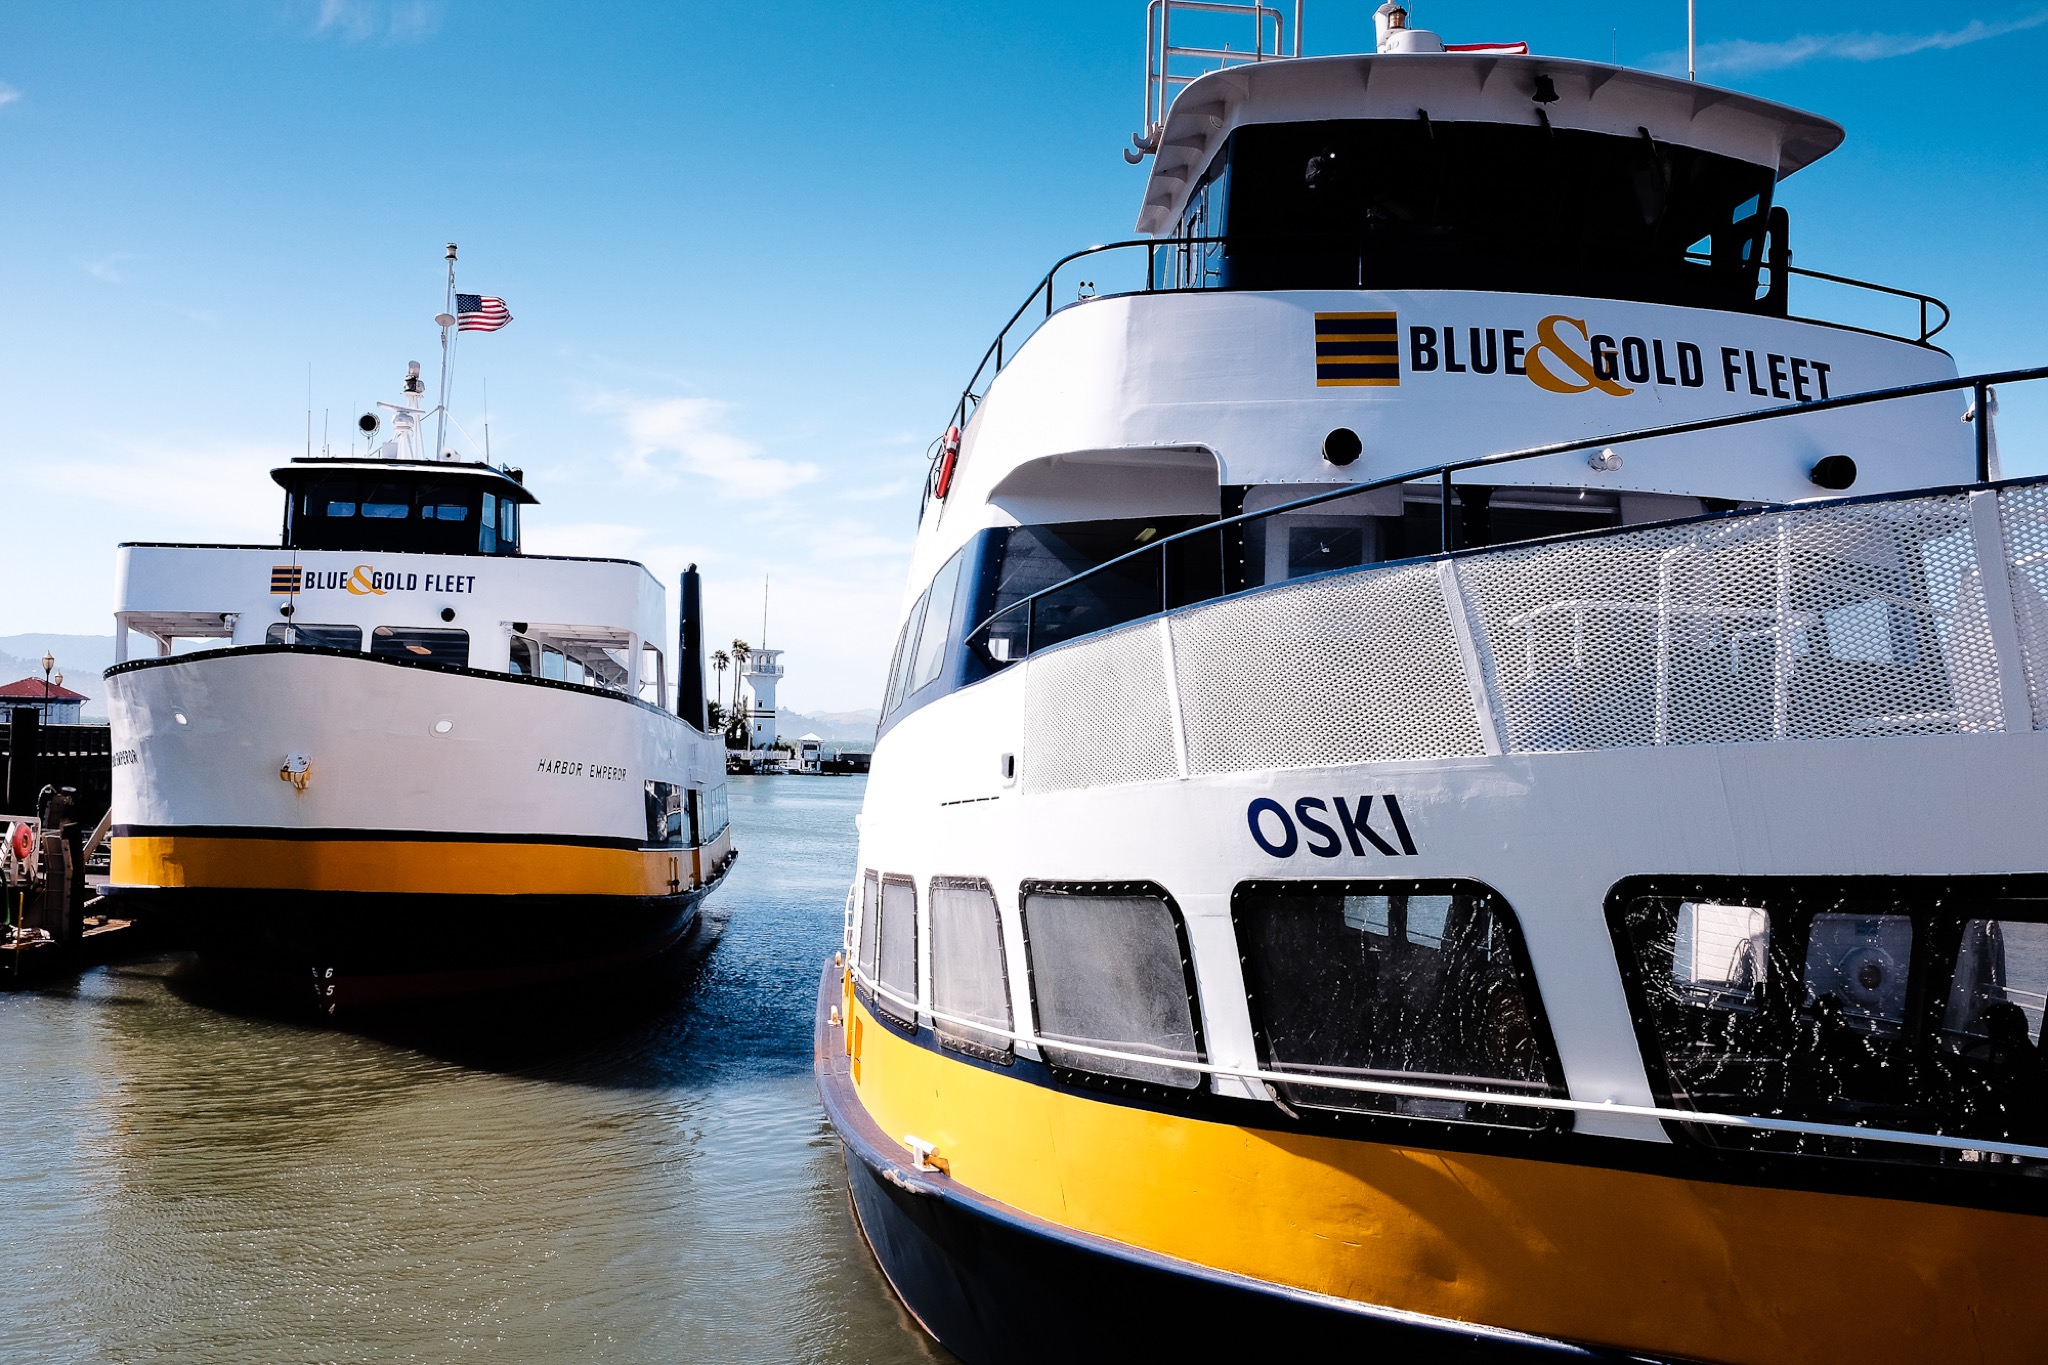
(23, 838)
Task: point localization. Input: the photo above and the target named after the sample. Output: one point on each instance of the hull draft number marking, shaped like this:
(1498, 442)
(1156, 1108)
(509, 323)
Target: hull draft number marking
(1315, 824)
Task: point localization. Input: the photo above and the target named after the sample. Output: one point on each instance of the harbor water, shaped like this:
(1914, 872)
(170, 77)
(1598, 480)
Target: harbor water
(639, 1179)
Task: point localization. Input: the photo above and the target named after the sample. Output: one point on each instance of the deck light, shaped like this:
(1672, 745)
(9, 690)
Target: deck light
(1833, 472)
(1606, 462)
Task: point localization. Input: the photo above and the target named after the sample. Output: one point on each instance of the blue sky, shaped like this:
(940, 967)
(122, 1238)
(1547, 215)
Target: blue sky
(752, 251)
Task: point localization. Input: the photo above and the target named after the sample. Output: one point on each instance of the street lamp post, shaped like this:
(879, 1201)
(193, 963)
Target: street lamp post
(49, 662)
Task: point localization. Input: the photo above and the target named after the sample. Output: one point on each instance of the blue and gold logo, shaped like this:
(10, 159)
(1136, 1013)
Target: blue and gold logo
(1357, 348)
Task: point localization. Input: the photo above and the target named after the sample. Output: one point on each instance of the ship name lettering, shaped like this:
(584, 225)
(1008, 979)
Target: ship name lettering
(1567, 356)
(561, 767)
(451, 582)
(1328, 828)
(124, 757)
(1780, 376)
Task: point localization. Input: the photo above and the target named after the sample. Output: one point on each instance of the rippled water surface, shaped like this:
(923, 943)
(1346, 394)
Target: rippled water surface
(646, 1180)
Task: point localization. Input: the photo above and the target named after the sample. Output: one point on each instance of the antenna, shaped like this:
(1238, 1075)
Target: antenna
(325, 449)
(487, 419)
(447, 312)
(309, 409)
(1691, 39)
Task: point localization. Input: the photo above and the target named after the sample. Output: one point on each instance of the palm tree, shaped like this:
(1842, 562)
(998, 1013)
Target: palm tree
(719, 663)
(741, 652)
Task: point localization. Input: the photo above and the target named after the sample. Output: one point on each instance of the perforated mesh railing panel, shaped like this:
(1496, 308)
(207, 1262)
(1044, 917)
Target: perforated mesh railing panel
(1355, 668)
(1853, 621)
(2025, 516)
(1832, 623)
(1095, 713)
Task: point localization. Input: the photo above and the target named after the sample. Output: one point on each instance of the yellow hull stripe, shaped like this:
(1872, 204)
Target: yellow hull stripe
(1653, 1263)
(408, 867)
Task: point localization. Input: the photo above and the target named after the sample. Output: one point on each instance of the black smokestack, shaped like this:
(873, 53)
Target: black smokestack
(690, 655)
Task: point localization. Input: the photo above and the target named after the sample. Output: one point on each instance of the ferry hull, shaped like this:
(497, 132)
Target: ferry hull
(451, 831)
(342, 950)
(994, 1284)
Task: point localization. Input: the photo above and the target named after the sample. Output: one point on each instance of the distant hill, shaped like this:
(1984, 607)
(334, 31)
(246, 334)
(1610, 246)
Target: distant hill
(834, 727)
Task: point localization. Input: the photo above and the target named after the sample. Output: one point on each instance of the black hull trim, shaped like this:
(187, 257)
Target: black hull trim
(995, 1285)
(353, 950)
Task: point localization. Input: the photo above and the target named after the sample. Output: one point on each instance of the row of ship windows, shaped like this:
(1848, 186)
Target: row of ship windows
(1894, 1007)
(684, 817)
(527, 657)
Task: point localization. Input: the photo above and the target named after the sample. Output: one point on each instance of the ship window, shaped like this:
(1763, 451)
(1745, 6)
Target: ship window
(968, 976)
(319, 637)
(1022, 560)
(897, 962)
(653, 684)
(665, 823)
(445, 511)
(1418, 984)
(906, 651)
(869, 931)
(1110, 968)
(715, 816)
(1913, 1004)
(487, 525)
(524, 659)
(508, 524)
(938, 622)
(421, 644)
(340, 509)
(553, 663)
(391, 501)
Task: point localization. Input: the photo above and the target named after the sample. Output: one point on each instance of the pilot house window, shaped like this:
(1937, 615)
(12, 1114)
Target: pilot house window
(1421, 984)
(1878, 1003)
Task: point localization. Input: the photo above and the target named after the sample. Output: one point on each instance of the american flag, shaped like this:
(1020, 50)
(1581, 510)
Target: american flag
(480, 313)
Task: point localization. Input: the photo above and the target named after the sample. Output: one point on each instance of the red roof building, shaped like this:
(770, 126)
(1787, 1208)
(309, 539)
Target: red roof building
(58, 704)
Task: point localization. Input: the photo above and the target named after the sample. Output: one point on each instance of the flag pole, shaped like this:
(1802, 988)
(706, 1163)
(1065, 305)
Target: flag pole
(447, 311)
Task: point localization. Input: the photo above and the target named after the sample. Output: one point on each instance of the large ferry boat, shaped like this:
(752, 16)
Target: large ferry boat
(1458, 779)
(395, 756)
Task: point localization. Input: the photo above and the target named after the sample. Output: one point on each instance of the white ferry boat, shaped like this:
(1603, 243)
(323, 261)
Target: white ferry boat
(394, 756)
(1458, 780)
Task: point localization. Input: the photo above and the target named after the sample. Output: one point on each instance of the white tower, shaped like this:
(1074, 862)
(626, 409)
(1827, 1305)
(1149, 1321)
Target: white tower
(757, 697)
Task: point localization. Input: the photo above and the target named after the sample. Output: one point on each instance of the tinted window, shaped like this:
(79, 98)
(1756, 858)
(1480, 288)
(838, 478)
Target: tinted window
(524, 657)
(1879, 1003)
(1421, 204)
(487, 525)
(389, 501)
(869, 930)
(1408, 983)
(897, 961)
(715, 817)
(666, 824)
(320, 637)
(906, 651)
(1110, 969)
(931, 644)
(418, 642)
(1022, 560)
(968, 979)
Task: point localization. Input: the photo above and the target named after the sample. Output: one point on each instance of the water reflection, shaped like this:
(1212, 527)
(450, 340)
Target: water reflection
(644, 1178)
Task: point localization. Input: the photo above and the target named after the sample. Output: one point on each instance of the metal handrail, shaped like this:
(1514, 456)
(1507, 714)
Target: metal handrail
(998, 354)
(1978, 385)
(1509, 1099)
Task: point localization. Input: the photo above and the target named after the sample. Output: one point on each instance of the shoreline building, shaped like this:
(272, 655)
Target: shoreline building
(58, 704)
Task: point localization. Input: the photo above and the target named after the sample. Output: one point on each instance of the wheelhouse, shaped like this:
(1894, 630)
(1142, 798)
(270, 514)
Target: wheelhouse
(390, 507)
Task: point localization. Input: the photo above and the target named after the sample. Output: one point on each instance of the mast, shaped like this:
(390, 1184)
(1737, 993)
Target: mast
(445, 318)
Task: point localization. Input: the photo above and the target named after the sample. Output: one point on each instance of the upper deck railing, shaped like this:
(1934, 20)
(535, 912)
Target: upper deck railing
(1187, 259)
(1175, 573)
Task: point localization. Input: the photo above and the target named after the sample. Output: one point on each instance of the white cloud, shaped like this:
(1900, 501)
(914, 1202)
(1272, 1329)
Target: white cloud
(695, 434)
(355, 21)
(156, 490)
(108, 267)
(1743, 56)
(8, 94)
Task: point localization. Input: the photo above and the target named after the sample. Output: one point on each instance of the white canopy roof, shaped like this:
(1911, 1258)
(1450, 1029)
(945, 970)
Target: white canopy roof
(1473, 87)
